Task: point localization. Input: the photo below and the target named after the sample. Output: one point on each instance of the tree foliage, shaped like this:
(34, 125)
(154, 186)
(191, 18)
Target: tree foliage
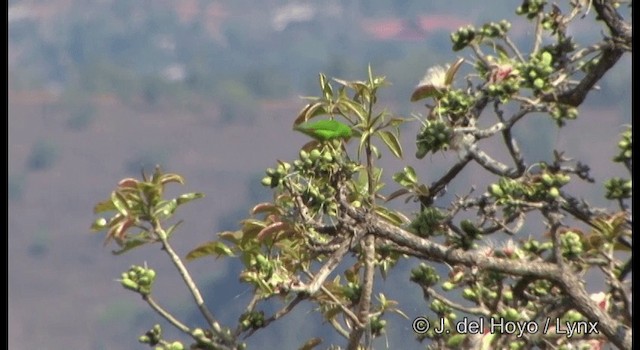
(329, 209)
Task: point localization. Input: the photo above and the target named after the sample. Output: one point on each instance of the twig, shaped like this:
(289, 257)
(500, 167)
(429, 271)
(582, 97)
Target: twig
(470, 310)
(538, 35)
(514, 48)
(165, 314)
(282, 312)
(184, 273)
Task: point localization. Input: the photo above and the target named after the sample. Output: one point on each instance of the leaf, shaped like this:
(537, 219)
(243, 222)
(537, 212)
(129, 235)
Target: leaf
(311, 145)
(392, 142)
(168, 178)
(251, 227)
(104, 206)
(451, 72)
(309, 111)
(165, 208)
(391, 216)
(396, 194)
(310, 344)
(327, 91)
(188, 197)
(172, 228)
(234, 237)
(266, 207)
(353, 107)
(424, 91)
(132, 243)
(407, 178)
(215, 248)
(271, 230)
(119, 202)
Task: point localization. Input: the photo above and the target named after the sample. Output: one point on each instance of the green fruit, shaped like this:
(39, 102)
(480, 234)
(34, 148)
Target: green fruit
(496, 190)
(315, 154)
(538, 83)
(547, 179)
(266, 181)
(447, 286)
(129, 284)
(469, 294)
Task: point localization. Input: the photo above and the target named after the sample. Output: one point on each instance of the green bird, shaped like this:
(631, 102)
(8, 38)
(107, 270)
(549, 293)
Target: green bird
(325, 130)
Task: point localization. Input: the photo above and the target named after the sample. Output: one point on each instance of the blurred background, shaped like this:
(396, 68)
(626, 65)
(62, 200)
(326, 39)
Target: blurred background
(99, 90)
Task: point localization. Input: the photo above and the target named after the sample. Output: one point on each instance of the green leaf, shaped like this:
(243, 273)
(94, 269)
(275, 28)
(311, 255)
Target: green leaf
(168, 178)
(327, 91)
(353, 107)
(392, 142)
(310, 111)
(130, 244)
(188, 197)
(104, 206)
(391, 216)
(424, 91)
(396, 194)
(451, 72)
(324, 130)
(456, 340)
(407, 178)
(119, 202)
(172, 228)
(165, 208)
(215, 248)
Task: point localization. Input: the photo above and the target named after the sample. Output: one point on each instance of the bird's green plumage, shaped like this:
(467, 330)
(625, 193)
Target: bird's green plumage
(324, 130)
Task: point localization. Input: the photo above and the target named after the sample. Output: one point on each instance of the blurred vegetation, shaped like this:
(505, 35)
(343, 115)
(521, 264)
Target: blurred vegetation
(44, 154)
(127, 49)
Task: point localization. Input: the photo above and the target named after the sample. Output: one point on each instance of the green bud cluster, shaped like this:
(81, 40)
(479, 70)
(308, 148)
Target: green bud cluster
(495, 30)
(506, 189)
(503, 90)
(252, 320)
(543, 187)
(618, 188)
(561, 112)
(552, 182)
(455, 104)
(462, 37)
(275, 176)
(352, 291)
(517, 345)
(138, 279)
(428, 223)
(176, 345)
(573, 316)
(560, 48)
(549, 22)
(530, 8)
(377, 325)
(439, 307)
(536, 71)
(424, 275)
(434, 136)
(510, 314)
(625, 147)
(535, 247)
(571, 245)
(152, 337)
(541, 287)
